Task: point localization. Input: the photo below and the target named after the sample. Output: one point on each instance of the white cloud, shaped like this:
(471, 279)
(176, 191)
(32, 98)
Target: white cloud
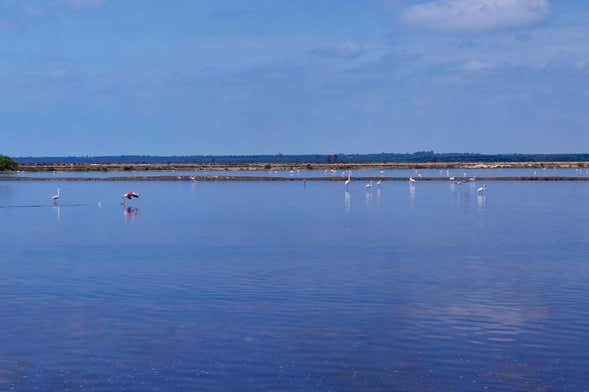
(475, 15)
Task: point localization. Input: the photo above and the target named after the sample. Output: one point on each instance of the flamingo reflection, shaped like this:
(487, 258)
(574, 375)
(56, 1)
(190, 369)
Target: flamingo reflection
(481, 200)
(412, 194)
(347, 201)
(368, 196)
(130, 213)
(57, 209)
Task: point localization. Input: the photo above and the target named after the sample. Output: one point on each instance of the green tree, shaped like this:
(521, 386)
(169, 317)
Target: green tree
(7, 164)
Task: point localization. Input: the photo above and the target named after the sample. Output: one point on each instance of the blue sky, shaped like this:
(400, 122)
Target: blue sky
(96, 77)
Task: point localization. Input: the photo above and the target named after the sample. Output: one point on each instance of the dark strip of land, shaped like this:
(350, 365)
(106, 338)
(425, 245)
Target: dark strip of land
(133, 167)
(333, 158)
(270, 178)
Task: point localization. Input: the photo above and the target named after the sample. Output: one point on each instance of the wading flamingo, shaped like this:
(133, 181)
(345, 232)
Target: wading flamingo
(57, 196)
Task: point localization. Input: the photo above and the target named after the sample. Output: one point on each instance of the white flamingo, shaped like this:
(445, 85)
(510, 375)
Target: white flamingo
(348, 180)
(57, 196)
(411, 179)
(482, 189)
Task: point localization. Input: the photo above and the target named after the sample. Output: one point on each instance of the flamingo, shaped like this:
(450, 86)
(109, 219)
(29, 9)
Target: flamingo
(348, 180)
(411, 179)
(378, 182)
(57, 196)
(129, 196)
(368, 186)
(482, 189)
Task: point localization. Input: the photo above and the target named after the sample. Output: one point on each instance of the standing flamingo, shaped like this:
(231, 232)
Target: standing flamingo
(348, 180)
(57, 196)
(482, 189)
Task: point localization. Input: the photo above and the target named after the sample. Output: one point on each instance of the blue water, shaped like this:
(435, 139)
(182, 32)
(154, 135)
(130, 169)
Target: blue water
(325, 173)
(286, 287)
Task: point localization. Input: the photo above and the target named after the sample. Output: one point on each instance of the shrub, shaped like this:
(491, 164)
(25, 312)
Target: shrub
(7, 164)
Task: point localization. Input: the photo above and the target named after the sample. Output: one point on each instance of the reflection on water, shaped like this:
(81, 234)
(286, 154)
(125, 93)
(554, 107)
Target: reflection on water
(130, 213)
(368, 195)
(347, 201)
(481, 201)
(57, 209)
(411, 194)
(378, 194)
(271, 286)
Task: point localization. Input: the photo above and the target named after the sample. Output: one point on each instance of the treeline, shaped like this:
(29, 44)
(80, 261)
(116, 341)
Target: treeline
(417, 157)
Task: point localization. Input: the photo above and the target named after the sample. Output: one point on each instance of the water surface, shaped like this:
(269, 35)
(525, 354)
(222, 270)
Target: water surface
(294, 287)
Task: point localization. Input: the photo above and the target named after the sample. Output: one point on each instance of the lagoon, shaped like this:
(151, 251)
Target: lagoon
(296, 287)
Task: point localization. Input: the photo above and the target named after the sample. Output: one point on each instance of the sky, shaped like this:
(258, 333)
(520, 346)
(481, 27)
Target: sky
(191, 77)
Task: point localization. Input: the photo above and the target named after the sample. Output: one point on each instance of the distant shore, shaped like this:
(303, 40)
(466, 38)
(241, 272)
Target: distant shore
(134, 167)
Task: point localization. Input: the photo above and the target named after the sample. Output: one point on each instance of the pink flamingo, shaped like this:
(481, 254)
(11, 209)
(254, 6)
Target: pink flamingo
(130, 195)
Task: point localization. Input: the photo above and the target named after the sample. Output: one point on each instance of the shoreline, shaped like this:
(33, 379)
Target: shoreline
(284, 179)
(134, 167)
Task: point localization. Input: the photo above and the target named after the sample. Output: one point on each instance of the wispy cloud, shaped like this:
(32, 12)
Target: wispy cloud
(475, 15)
(344, 50)
(477, 65)
(80, 4)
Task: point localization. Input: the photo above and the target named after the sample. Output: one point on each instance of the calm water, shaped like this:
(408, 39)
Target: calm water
(274, 286)
(327, 173)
